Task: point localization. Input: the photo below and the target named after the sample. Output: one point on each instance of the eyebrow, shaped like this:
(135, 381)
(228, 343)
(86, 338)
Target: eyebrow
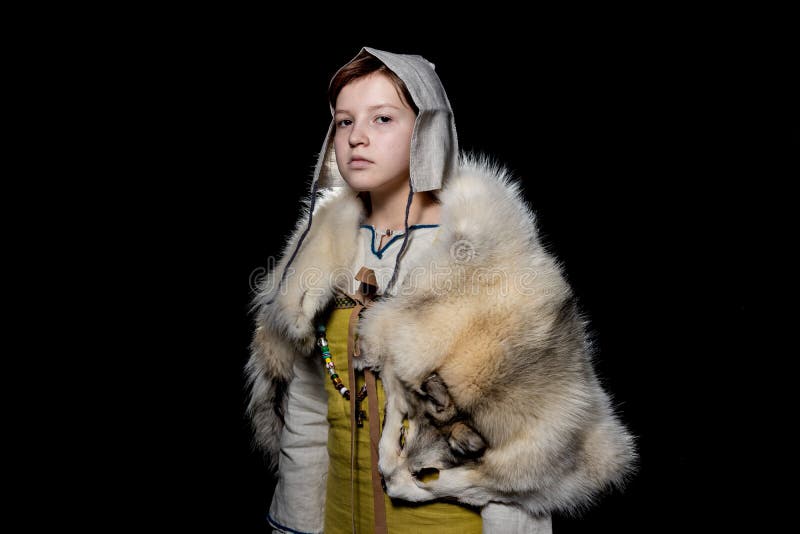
(377, 106)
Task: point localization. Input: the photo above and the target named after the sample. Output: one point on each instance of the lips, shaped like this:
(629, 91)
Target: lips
(359, 163)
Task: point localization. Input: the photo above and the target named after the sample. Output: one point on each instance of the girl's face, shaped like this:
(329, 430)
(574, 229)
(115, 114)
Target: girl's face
(373, 123)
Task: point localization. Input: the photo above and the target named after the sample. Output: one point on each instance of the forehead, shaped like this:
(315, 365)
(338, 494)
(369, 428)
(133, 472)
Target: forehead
(369, 92)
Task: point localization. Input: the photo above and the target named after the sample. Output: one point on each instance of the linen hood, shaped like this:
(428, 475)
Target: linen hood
(434, 141)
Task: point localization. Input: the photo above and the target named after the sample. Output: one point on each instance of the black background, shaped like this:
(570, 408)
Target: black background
(639, 149)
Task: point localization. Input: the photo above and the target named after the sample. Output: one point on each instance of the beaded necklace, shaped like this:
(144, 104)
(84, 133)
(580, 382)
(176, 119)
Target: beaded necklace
(325, 350)
(364, 298)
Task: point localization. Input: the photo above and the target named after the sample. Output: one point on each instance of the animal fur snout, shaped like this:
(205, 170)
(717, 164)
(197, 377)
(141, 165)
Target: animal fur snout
(387, 467)
(439, 438)
(408, 486)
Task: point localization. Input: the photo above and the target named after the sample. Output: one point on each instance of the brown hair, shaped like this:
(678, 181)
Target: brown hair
(364, 65)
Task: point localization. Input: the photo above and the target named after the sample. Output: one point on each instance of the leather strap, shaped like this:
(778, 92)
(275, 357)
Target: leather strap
(374, 439)
(364, 299)
(351, 377)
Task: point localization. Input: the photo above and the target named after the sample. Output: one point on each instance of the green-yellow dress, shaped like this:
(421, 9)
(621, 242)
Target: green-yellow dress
(401, 517)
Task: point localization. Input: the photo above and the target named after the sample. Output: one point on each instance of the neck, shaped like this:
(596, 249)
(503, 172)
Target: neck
(389, 207)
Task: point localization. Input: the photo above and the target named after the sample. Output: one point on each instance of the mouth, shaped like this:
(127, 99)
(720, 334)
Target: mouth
(359, 163)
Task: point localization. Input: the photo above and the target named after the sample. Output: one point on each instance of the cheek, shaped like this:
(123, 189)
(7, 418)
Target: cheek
(403, 145)
(397, 146)
(401, 155)
(337, 146)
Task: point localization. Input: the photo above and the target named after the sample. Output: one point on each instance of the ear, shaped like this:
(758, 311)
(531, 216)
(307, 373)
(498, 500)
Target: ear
(465, 441)
(439, 404)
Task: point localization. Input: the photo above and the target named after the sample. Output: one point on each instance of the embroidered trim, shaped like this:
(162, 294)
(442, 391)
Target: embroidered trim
(284, 528)
(343, 301)
(380, 253)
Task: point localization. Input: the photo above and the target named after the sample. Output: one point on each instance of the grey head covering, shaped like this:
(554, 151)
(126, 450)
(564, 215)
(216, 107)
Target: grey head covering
(434, 142)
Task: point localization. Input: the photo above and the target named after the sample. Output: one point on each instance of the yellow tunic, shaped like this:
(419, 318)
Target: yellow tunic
(401, 517)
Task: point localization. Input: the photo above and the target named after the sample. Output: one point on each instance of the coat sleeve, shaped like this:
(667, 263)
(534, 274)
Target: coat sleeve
(507, 519)
(288, 409)
(303, 459)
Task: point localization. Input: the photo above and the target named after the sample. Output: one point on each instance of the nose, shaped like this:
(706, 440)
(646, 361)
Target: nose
(358, 136)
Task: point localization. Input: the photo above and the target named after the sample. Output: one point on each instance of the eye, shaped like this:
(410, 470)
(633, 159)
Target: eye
(388, 119)
(339, 123)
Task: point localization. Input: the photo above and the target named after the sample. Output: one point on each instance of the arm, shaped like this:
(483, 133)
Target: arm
(288, 409)
(299, 498)
(507, 519)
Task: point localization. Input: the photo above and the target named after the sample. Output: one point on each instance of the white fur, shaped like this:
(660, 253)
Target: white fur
(553, 439)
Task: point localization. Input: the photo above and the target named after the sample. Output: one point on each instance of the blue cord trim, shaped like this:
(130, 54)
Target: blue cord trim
(379, 253)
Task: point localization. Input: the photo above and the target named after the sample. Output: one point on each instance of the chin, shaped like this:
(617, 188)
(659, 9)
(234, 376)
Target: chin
(358, 183)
